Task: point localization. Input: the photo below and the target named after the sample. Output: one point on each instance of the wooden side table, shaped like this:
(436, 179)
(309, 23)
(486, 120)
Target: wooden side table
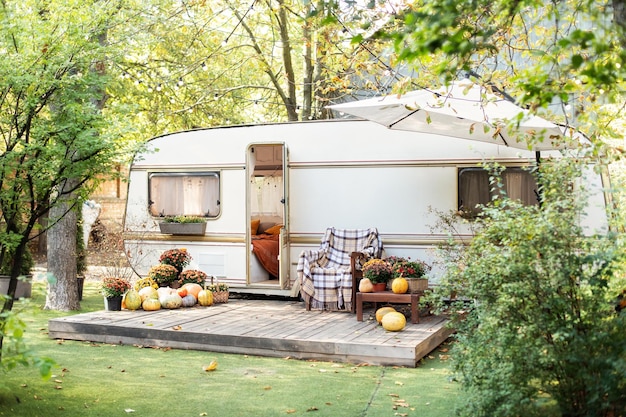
(388, 297)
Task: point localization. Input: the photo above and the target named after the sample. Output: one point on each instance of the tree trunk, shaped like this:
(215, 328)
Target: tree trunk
(62, 291)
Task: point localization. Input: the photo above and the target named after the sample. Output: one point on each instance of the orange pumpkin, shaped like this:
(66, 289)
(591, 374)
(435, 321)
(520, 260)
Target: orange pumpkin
(399, 285)
(182, 292)
(192, 288)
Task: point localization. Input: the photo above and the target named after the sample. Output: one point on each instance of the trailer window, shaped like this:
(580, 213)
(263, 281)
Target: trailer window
(474, 188)
(189, 194)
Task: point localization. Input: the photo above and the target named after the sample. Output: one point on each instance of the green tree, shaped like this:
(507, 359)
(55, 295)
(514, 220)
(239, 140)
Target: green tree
(200, 63)
(54, 138)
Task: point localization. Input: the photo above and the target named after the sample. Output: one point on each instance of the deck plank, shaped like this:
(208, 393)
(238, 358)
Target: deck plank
(260, 327)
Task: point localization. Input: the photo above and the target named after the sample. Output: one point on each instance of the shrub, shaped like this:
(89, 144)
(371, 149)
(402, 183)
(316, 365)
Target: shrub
(542, 327)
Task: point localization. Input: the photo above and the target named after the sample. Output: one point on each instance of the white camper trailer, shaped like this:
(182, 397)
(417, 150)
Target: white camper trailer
(303, 178)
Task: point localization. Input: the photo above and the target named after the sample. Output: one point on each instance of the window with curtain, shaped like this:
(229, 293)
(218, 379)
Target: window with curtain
(475, 189)
(187, 194)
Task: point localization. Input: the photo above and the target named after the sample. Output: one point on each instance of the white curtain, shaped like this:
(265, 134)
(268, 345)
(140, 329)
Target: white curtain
(192, 195)
(267, 195)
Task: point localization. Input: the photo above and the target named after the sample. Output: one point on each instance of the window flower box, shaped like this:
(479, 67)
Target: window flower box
(181, 225)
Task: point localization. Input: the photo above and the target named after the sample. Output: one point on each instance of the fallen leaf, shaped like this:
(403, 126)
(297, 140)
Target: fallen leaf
(290, 411)
(399, 383)
(393, 395)
(129, 410)
(58, 387)
(203, 414)
(210, 367)
(312, 409)
(179, 327)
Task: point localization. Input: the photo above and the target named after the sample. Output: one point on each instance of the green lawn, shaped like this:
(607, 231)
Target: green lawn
(107, 380)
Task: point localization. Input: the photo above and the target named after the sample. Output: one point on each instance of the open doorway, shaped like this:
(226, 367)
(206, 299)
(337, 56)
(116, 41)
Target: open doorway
(266, 214)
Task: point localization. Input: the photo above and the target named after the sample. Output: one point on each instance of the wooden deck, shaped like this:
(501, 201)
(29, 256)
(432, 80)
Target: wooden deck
(260, 327)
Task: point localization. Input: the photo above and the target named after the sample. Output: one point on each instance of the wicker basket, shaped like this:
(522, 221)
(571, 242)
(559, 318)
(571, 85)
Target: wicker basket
(417, 284)
(220, 297)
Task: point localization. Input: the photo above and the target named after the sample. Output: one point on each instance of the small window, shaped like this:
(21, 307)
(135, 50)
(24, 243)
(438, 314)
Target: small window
(475, 189)
(187, 194)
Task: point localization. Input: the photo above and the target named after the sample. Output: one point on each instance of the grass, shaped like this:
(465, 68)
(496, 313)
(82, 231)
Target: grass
(95, 379)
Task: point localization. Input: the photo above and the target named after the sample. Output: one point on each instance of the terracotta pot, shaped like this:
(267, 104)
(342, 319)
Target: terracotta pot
(380, 286)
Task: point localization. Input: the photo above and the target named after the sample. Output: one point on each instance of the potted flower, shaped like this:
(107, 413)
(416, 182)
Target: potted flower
(178, 258)
(163, 274)
(183, 225)
(378, 271)
(113, 289)
(413, 271)
(193, 276)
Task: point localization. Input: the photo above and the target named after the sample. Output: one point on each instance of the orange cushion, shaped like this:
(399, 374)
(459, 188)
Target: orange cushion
(274, 230)
(254, 226)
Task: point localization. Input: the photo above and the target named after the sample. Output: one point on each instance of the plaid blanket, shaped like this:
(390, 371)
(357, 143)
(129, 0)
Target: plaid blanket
(325, 276)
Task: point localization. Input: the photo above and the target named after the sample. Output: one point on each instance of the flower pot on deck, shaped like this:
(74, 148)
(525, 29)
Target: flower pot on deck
(80, 282)
(113, 303)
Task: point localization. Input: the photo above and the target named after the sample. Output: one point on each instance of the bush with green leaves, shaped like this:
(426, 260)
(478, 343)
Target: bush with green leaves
(537, 329)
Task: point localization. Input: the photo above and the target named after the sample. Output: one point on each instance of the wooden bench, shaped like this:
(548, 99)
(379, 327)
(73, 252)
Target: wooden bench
(388, 297)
